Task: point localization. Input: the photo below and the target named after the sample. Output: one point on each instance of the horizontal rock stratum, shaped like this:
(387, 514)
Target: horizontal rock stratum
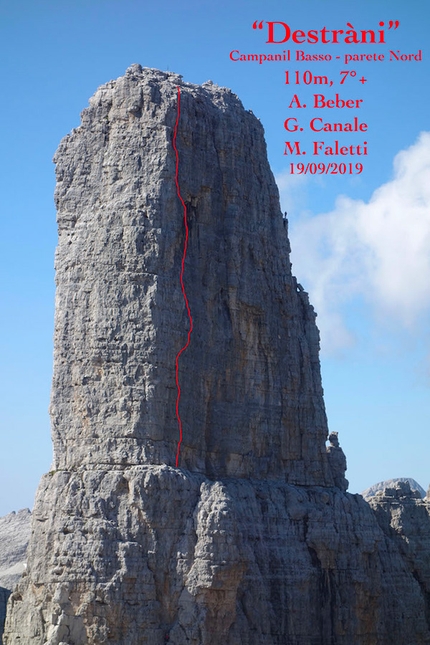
(252, 539)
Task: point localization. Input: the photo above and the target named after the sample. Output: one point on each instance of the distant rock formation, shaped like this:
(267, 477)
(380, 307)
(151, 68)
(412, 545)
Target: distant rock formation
(392, 483)
(253, 539)
(14, 536)
(405, 519)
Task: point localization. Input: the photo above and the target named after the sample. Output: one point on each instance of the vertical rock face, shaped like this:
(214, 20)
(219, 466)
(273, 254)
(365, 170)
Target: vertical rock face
(4, 595)
(251, 399)
(252, 540)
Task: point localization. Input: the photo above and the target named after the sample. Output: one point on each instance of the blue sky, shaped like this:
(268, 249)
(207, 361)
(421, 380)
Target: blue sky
(361, 243)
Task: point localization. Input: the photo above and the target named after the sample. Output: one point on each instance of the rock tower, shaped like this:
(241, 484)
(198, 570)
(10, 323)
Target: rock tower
(251, 539)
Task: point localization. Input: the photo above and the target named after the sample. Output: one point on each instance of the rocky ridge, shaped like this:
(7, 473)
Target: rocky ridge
(14, 536)
(393, 483)
(253, 539)
(404, 517)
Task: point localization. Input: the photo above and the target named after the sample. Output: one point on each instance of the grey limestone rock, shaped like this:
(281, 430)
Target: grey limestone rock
(252, 540)
(133, 555)
(404, 516)
(393, 483)
(14, 536)
(337, 461)
(252, 368)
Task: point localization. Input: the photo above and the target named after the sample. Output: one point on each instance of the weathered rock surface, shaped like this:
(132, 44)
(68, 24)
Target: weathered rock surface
(252, 369)
(151, 551)
(405, 518)
(252, 540)
(14, 536)
(392, 483)
(337, 461)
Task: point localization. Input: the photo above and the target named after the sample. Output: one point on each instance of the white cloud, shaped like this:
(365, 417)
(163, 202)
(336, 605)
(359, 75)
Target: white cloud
(292, 189)
(378, 251)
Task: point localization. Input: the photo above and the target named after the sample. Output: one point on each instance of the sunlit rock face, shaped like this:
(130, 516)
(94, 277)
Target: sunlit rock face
(251, 396)
(252, 539)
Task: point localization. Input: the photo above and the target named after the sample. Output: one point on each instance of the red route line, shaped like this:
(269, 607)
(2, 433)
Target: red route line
(181, 279)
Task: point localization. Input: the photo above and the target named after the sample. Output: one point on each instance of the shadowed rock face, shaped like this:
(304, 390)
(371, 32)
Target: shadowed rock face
(4, 595)
(252, 540)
